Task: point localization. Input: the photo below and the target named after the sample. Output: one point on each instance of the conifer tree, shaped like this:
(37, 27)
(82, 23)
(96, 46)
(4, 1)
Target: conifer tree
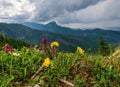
(103, 46)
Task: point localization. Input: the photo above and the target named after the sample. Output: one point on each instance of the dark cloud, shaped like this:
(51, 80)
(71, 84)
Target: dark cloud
(81, 12)
(50, 9)
(103, 11)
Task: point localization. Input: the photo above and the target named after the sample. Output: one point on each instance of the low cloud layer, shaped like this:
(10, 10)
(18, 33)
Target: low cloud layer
(65, 12)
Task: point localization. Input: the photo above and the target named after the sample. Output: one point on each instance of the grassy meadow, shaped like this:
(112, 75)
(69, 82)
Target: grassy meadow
(46, 66)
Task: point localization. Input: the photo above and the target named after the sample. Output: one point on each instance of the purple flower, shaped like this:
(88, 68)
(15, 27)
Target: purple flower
(8, 49)
(54, 51)
(31, 47)
(41, 48)
(44, 40)
(7, 46)
(12, 50)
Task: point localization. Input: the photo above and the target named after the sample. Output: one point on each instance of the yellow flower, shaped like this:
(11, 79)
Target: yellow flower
(55, 43)
(80, 50)
(46, 62)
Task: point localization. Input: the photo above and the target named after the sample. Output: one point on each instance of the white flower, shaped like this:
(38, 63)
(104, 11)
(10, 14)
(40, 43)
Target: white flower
(16, 54)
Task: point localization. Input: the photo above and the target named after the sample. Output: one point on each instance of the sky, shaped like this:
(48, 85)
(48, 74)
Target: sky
(70, 13)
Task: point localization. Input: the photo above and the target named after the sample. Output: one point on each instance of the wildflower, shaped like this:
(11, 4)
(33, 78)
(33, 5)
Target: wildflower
(44, 40)
(54, 44)
(54, 51)
(31, 47)
(46, 62)
(12, 50)
(16, 54)
(41, 48)
(80, 50)
(8, 49)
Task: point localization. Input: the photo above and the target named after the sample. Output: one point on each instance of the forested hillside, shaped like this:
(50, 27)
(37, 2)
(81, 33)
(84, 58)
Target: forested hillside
(14, 43)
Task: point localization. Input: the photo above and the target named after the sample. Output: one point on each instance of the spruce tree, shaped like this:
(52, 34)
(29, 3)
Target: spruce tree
(103, 46)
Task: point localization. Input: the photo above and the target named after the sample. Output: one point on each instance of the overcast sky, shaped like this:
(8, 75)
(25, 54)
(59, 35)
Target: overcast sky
(72, 13)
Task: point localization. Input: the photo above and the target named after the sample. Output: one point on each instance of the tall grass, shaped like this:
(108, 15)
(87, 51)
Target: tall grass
(81, 70)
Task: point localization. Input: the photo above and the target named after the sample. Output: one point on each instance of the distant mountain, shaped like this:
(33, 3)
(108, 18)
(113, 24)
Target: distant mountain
(51, 27)
(69, 38)
(113, 28)
(21, 32)
(34, 25)
(110, 35)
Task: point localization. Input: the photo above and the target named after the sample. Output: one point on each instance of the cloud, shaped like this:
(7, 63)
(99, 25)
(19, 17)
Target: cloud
(50, 9)
(15, 10)
(65, 12)
(107, 10)
(98, 24)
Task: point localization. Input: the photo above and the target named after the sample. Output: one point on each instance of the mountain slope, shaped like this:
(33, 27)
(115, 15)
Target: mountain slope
(68, 38)
(67, 42)
(13, 43)
(110, 35)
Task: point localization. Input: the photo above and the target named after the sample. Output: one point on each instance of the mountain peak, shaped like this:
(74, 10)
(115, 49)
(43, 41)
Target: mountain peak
(52, 23)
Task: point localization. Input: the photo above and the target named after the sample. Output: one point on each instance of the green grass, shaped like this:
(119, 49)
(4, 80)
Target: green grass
(81, 70)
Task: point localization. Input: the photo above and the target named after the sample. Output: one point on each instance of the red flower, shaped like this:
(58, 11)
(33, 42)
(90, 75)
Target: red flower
(44, 40)
(54, 51)
(31, 47)
(41, 48)
(12, 50)
(8, 49)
